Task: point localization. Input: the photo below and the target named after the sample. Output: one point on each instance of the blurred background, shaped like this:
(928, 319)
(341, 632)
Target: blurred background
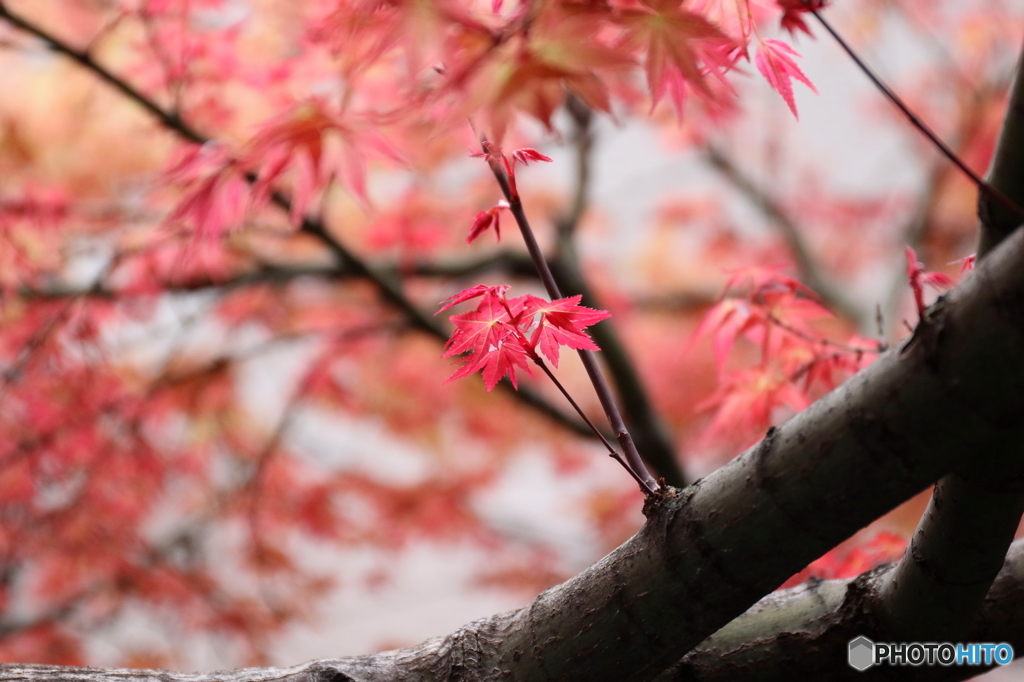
(227, 436)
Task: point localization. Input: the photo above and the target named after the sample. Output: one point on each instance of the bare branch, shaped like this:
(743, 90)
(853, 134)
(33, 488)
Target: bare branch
(809, 270)
(988, 191)
(1005, 172)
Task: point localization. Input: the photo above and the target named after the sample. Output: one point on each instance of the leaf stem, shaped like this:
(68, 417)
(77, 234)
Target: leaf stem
(612, 452)
(558, 384)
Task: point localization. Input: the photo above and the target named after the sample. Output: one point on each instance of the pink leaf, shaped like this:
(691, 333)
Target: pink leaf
(775, 63)
(526, 155)
(497, 292)
(490, 335)
(561, 323)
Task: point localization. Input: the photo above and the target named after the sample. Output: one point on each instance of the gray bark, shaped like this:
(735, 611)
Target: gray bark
(802, 633)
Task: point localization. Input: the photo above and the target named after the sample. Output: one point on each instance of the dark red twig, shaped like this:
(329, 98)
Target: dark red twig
(982, 184)
(633, 462)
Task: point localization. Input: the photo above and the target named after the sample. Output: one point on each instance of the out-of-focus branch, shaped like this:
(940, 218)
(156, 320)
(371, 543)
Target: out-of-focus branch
(649, 434)
(991, 194)
(508, 262)
(809, 269)
(169, 119)
(678, 301)
(387, 287)
(55, 614)
(1005, 173)
(583, 144)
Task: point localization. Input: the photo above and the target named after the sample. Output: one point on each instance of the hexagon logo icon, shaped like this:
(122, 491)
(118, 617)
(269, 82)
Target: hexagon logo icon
(862, 653)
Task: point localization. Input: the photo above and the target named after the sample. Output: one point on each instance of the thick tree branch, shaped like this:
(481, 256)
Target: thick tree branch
(955, 554)
(802, 633)
(711, 551)
(1006, 172)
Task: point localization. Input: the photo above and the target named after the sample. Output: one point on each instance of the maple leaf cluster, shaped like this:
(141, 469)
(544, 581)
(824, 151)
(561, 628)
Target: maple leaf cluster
(503, 334)
(491, 65)
(774, 312)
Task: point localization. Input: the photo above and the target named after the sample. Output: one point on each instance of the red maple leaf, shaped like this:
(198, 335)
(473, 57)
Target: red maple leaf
(844, 562)
(216, 195)
(774, 60)
(491, 335)
(727, 321)
(920, 278)
(561, 323)
(495, 157)
(966, 263)
(479, 290)
(792, 9)
(532, 71)
(769, 299)
(502, 334)
(682, 48)
(747, 401)
(484, 219)
(317, 144)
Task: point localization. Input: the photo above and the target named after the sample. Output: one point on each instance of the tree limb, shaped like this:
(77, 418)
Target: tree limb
(802, 633)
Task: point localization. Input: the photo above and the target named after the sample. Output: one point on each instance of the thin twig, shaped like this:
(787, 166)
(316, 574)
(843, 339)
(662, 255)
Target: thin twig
(572, 401)
(822, 341)
(810, 271)
(612, 452)
(982, 184)
(649, 432)
(604, 394)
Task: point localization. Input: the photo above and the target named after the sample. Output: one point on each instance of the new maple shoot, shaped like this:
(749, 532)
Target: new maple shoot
(224, 227)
